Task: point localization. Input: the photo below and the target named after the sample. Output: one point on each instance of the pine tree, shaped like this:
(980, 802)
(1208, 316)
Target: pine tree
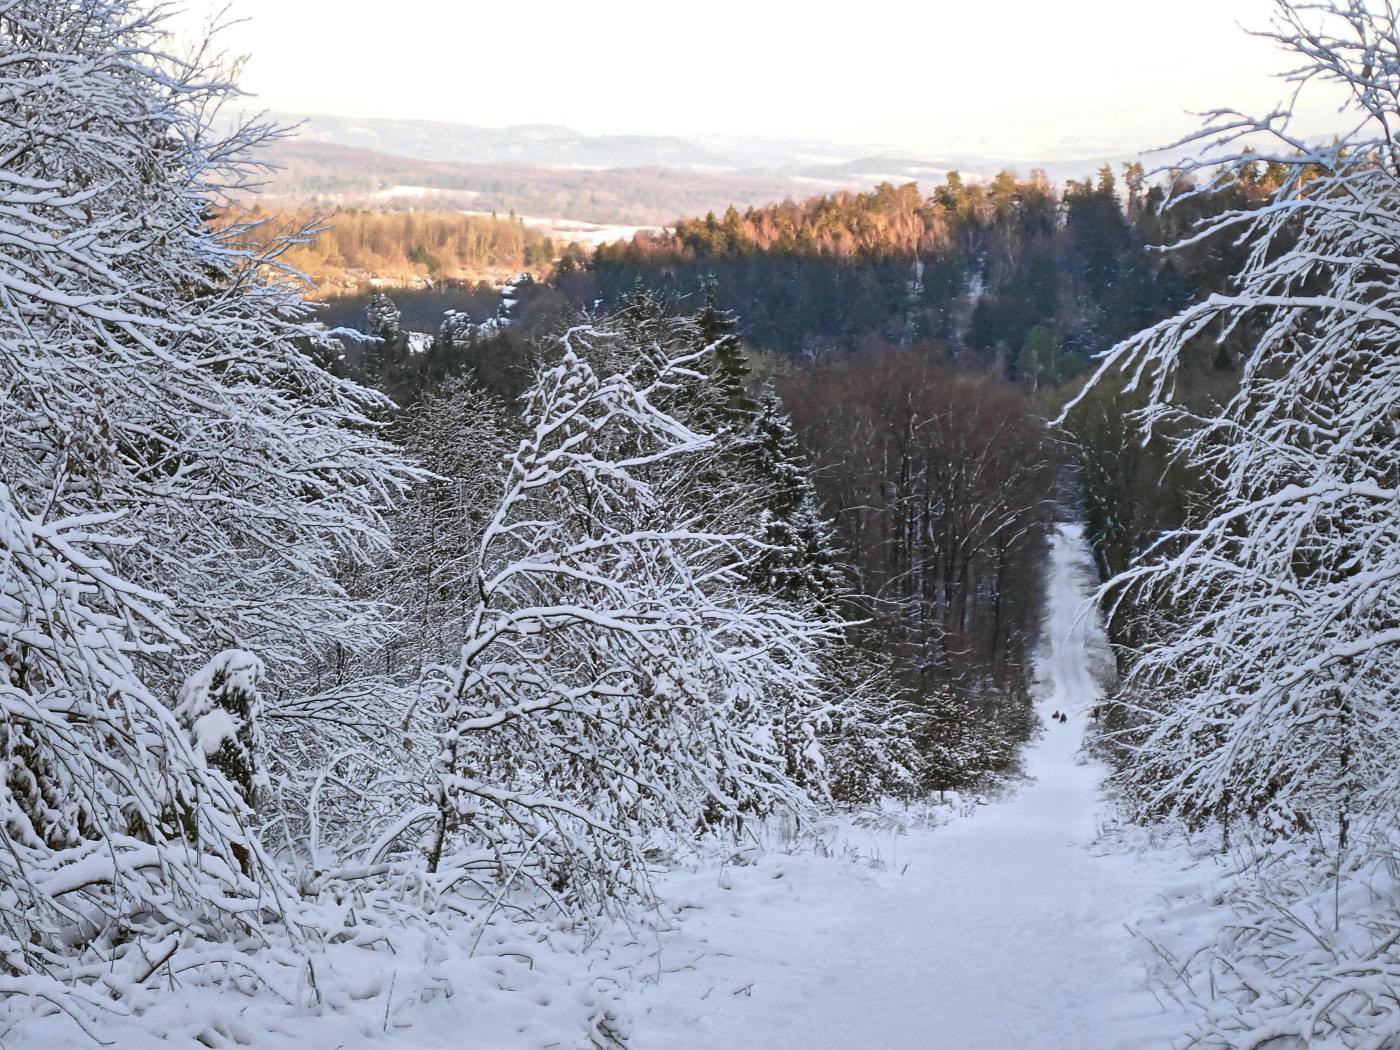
(220, 708)
(800, 561)
(729, 404)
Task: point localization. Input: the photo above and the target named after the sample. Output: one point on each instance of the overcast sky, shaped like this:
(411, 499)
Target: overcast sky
(1034, 79)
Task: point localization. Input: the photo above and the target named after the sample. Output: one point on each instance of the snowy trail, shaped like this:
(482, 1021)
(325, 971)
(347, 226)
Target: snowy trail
(1004, 932)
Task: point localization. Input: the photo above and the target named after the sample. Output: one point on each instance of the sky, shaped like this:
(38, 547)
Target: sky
(1032, 79)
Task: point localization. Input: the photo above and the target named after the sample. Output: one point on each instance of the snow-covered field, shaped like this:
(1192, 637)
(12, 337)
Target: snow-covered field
(590, 234)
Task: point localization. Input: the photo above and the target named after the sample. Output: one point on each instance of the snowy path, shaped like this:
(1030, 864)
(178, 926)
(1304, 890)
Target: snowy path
(1004, 932)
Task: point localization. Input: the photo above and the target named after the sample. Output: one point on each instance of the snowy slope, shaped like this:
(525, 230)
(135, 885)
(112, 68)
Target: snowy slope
(962, 927)
(1000, 931)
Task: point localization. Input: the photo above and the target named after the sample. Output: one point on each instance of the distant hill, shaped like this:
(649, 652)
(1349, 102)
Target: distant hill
(552, 172)
(564, 186)
(327, 175)
(532, 144)
(555, 146)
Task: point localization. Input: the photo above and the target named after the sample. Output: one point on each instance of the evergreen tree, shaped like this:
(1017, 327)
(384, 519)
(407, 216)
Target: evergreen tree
(220, 707)
(728, 368)
(799, 562)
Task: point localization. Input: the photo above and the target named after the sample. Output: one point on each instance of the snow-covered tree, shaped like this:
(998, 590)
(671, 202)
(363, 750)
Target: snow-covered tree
(752, 478)
(1262, 685)
(617, 679)
(1268, 689)
(870, 738)
(464, 436)
(181, 478)
(358, 776)
(220, 707)
(799, 561)
(118, 838)
(149, 364)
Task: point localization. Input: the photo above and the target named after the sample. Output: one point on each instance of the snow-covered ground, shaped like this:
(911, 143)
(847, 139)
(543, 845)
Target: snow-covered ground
(1005, 929)
(956, 927)
(590, 234)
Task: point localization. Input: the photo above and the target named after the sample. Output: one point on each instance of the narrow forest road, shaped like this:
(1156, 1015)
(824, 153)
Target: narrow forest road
(1003, 932)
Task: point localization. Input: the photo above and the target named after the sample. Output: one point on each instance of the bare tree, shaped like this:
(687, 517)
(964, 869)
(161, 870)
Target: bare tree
(937, 482)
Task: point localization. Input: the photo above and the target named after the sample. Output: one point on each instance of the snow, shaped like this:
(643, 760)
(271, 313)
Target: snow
(589, 234)
(212, 728)
(520, 987)
(962, 925)
(393, 192)
(1005, 929)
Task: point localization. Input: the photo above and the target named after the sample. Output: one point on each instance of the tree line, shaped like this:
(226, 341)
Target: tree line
(1009, 274)
(352, 245)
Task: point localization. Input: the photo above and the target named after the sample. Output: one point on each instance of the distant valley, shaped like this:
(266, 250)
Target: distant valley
(548, 170)
(559, 186)
(329, 175)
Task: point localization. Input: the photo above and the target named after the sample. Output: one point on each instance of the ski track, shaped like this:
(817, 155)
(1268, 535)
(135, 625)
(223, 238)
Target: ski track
(1003, 931)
